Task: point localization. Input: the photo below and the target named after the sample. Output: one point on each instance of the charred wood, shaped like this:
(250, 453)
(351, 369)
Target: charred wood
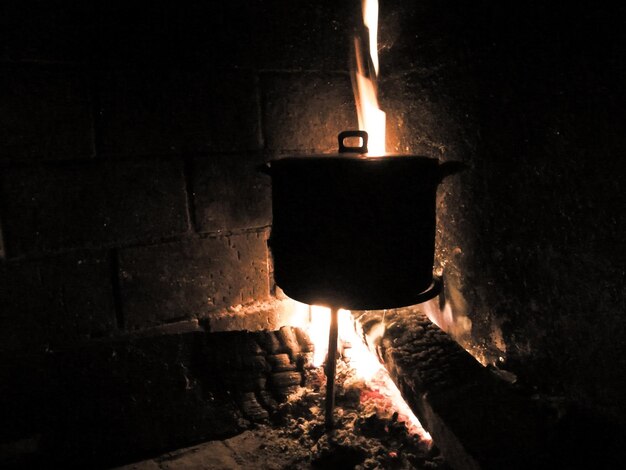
(477, 420)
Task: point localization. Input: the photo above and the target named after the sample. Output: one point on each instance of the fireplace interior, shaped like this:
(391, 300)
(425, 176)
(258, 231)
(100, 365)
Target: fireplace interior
(138, 308)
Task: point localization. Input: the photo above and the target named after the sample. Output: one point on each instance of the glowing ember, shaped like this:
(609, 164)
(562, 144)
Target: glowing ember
(315, 321)
(364, 78)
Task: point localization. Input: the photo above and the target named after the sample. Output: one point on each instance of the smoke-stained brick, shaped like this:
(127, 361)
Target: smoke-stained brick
(90, 204)
(305, 35)
(423, 120)
(230, 192)
(120, 399)
(47, 303)
(2, 252)
(214, 33)
(158, 111)
(166, 282)
(45, 113)
(269, 34)
(305, 112)
(425, 35)
(40, 30)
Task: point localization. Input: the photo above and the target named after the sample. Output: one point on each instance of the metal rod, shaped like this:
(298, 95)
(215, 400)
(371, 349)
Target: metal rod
(331, 366)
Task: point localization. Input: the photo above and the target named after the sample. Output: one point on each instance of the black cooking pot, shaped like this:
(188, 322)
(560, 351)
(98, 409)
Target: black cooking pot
(355, 231)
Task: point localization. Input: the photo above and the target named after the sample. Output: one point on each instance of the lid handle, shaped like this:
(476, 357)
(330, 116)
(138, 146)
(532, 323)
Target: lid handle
(345, 148)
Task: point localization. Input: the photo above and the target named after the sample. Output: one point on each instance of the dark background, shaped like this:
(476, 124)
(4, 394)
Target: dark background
(130, 133)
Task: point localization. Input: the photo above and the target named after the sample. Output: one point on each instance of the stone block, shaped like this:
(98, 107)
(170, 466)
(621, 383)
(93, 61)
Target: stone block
(118, 400)
(45, 114)
(50, 302)
(270, 342)
(304, 112)
(220, 34)
(231, 352)
(2, 251)
(91, 204)
(269, 34)
(162, 283)
(230, 192)
(282, 380)
(305, 35)
(424, 36)
(35, 30)
(304, 361)
(164, 111)
(421, 119)
(251, 407)
(24, 378)
(267, 400)
(280, 363)
(242, 382)
(267, 315)
(213, 459)
(288, 337)
(306, 345)
(255, 364)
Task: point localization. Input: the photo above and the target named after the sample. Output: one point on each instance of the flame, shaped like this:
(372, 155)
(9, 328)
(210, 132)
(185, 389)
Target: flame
(364, 79)
(370, 20)
(315, 320)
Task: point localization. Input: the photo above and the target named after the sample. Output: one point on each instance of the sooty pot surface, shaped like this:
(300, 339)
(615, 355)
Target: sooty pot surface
(355, 231)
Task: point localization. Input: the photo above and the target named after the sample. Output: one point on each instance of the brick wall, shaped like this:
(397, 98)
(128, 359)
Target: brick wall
(132, 210)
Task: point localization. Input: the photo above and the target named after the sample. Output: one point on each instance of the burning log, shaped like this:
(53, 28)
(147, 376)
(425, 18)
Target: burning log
(475, 418)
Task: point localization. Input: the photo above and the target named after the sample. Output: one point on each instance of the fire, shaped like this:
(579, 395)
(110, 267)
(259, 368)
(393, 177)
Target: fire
(315, 320)
(364, 80)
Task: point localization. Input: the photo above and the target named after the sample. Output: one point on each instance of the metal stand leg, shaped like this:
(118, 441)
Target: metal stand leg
(331, 366)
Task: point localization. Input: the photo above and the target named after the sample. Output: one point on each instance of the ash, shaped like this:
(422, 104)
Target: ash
(368, 433)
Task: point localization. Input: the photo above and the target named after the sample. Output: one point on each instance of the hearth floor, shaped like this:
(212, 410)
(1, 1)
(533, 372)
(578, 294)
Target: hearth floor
(368, 435)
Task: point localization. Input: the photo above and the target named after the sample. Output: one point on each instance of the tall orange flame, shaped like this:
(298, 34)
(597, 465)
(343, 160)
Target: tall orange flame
(364, 79)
